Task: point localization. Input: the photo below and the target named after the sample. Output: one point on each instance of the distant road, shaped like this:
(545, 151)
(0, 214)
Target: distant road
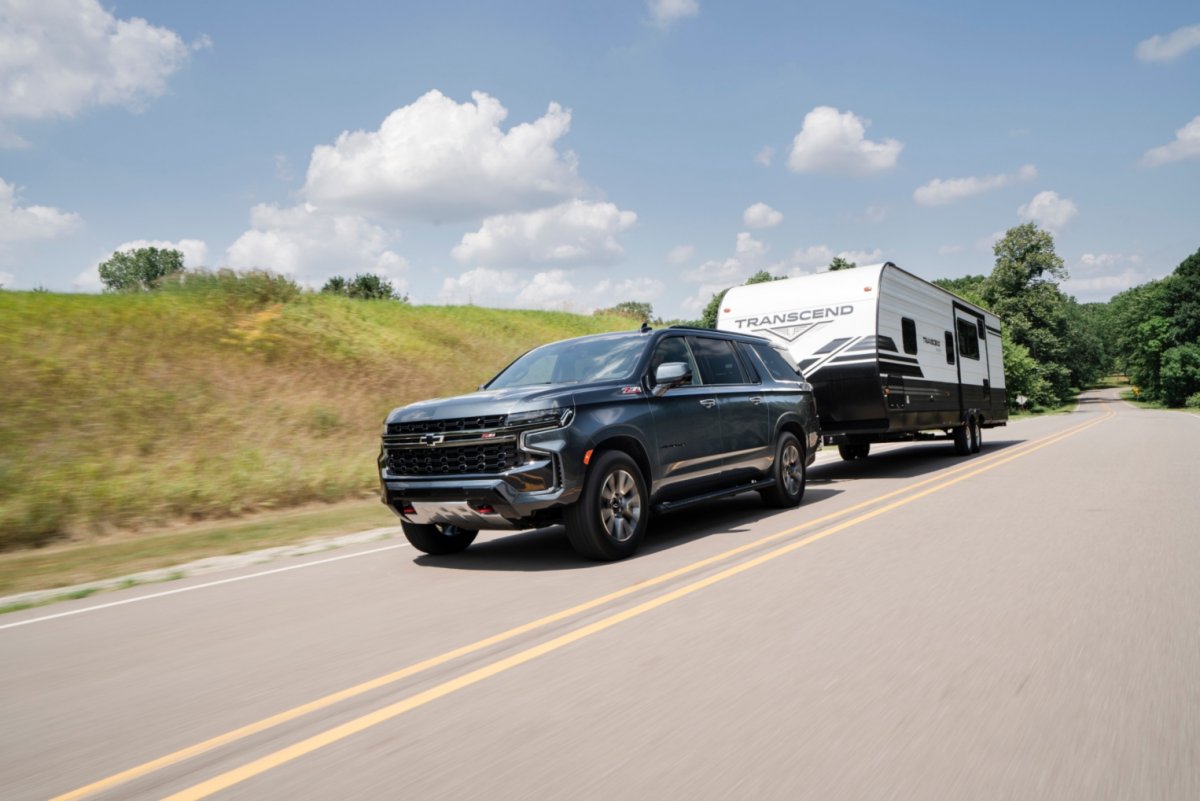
(1019, 624)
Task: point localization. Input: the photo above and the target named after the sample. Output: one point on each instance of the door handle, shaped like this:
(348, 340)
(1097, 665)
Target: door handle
(757, 399)
(708, 403)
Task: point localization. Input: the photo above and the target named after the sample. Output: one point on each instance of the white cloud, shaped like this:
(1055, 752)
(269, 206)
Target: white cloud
(834, 142)
(938, 192)
(481, 287)
(639, 289)
(681, 253)
(816, 258)
(6, 279)
(989, 242)
(719, 272)
(442, 161)
(61, 56)
(862, 257)
(1049, 211)
(748, 247)
(1185, 146)
(574, 233)
(310, 245)
(24, 223)
(765, 156)
(760, 215)
(1099, 276)
(667, 12)
(549, 290)
(1171, 46)
(1101, 261)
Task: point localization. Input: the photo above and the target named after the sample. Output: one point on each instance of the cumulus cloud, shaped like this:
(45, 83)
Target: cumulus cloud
(1049, 211)
(1171, 46)
(1185, 146)
(1099, 276)
(666, 13)
(441, 161)
(760, 215)
(574, 233)
(24, 223)
(816, 258)
(311, 245)
(765, 156)
(62, 56)
(834, 142)
(749, 247)
(552, 289)
(681, 253)
(939, 192)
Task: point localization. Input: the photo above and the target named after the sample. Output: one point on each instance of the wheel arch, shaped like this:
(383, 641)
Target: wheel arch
(631, 447)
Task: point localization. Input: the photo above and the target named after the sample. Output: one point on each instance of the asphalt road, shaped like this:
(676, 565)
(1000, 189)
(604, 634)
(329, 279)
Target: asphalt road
(1019, 624)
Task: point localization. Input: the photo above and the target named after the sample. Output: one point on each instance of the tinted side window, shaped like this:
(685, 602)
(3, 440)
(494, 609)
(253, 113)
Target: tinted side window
(949, 348)
(968, 340)
(673, 349)
(717, 361)
(777, 364)
(909, 330)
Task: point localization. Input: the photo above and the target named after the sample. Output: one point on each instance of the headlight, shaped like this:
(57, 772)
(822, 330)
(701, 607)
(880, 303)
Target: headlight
(540, 417)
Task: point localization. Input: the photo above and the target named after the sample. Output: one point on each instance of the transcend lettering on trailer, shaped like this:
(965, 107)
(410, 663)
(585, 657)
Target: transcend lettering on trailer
(798, 316)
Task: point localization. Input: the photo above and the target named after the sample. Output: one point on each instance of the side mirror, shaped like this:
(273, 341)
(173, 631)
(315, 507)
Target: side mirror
(671, 374)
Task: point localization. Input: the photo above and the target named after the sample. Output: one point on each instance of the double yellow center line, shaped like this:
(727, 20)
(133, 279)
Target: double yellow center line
(204, 789)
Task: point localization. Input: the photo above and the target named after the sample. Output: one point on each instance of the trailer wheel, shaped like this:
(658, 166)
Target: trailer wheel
(962, 439)
(847, 451)
(976, 435)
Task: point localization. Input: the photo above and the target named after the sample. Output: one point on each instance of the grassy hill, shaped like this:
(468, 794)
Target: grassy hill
(220, 397)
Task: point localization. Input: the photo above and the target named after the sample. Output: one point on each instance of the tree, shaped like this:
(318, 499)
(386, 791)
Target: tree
(1180, 373)
(642, 312)
(363, 286)
(140, 269)
(839, 263)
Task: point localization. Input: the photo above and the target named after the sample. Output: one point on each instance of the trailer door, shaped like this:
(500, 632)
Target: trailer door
(974, 388)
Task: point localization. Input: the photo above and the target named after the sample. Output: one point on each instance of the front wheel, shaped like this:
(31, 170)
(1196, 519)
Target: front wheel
(437, 540)
(609, 519)
(789, 473)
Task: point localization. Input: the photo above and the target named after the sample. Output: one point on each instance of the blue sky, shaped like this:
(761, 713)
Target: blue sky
(574, 155)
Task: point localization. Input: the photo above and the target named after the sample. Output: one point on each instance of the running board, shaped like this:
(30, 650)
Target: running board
(673, 506)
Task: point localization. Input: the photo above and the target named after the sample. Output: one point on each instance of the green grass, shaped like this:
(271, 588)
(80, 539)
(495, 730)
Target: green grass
(67, 564)
(221, 398)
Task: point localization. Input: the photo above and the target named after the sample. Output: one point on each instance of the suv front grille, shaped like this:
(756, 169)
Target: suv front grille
(453, 460)
(481, 423)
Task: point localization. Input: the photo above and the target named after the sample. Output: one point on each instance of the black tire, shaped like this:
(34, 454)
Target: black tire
(976, 436)
(962, 439)
(847, 451)
(862, 450)
(437, 540)
(609, 520)
(789, 472)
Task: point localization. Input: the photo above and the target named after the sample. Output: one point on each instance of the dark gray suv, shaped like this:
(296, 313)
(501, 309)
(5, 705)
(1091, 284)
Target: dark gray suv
(597, 432)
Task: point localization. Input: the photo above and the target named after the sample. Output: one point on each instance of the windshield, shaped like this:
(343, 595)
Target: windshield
(572, 362)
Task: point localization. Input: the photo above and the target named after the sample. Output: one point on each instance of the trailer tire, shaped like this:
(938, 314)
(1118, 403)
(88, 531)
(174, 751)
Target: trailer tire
(849, 451)
(976, 435)
(962, 439)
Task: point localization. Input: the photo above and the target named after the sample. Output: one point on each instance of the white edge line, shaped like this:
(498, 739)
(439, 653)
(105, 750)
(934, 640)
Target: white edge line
(200, 586)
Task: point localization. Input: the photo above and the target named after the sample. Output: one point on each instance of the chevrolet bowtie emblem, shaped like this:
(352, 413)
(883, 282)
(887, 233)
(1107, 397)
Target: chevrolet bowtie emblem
(432, 439)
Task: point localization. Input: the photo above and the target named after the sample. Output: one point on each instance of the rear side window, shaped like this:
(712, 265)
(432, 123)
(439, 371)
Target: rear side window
(949, 348)
(778, 364)
(909, 330)
(717, 361)
(968, 340)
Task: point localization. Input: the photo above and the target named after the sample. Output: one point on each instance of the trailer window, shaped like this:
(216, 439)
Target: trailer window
(968, 340)
(949, 348)
(980, 329)
(909, 329)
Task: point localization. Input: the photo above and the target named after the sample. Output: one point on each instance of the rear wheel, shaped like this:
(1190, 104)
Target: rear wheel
(789, 473)
(609, 519)
(962, 439)
(437, 540)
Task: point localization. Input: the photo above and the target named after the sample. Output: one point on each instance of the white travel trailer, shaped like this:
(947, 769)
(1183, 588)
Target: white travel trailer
(891, 357)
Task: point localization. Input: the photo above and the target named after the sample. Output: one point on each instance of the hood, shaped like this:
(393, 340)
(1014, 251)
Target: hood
(488, 402)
